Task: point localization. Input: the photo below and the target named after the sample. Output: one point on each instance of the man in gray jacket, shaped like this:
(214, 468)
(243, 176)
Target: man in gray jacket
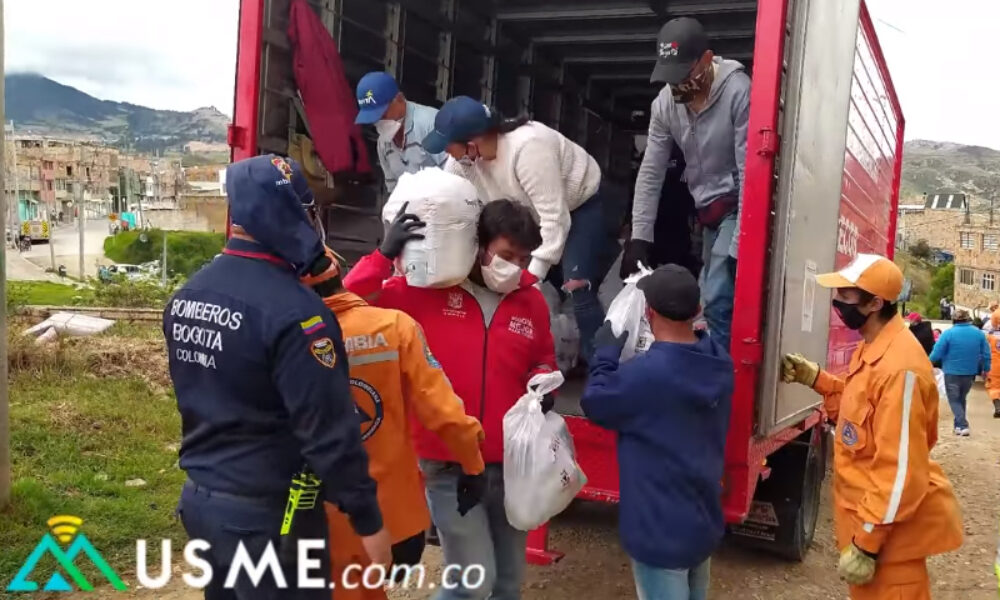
(704, 110)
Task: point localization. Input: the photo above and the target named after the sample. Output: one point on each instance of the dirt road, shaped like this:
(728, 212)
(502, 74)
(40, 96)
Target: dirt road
(595, 566)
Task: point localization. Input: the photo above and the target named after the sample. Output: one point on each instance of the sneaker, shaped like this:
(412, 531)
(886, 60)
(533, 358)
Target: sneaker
(958, 431)
(996, 413)
(964, 432)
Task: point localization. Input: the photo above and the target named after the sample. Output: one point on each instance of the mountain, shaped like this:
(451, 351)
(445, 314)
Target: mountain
(42, 106)
(942, 167)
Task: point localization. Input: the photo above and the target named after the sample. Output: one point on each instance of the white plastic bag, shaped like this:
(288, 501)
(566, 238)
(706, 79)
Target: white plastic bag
(566, 335)
(540, 473)
(628, 313)
(450, 207)
(939, 380)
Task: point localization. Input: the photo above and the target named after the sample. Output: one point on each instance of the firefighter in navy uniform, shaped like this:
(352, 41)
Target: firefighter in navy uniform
(261, 378)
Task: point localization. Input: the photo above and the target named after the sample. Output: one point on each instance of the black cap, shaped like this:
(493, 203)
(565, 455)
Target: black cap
(678, 47)
(672, 292)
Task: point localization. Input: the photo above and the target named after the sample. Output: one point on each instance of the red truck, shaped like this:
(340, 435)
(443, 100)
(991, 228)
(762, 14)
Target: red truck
(823, 162)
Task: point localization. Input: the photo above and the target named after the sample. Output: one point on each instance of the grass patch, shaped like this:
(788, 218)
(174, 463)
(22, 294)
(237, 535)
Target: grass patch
(84, 420)
(43, 292)
(187, 251)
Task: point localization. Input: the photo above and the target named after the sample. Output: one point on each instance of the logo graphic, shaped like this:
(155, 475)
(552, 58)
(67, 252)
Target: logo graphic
(323, 351)
(433, 362)
(311, 326)
(283, 167)
(368, 100)
(454, 300)
(849, 435)
(65, 529)
(668, 49)
(369, 404)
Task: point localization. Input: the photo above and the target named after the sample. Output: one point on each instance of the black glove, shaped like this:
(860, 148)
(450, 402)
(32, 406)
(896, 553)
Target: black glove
(731, 266)
(401, 230)
(470, 491)
(636, 251)
(548, 401)
(407, 552)
(606, 337)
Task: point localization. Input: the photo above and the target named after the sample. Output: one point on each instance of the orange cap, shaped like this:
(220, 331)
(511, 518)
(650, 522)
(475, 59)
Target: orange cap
(872, 273)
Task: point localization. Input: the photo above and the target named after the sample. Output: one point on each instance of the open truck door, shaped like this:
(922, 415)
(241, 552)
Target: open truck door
(823, 161)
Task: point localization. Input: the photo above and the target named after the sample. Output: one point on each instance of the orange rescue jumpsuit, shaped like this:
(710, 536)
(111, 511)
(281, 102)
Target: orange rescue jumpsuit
(993, 377)
(890, 497)
(394, 377)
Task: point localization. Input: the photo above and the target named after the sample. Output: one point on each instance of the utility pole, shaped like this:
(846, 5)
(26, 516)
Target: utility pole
(16, 205)
(4, 406)
(81, 211)
(163, 263)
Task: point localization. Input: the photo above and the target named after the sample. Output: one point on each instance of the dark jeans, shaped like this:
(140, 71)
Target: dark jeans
(958, 387)
(591, 248)
(225, 521)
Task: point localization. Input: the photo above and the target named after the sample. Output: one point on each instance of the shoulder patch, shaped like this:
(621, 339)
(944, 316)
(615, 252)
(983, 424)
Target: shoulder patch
(322, 350)
(312, 325)
(427, 349)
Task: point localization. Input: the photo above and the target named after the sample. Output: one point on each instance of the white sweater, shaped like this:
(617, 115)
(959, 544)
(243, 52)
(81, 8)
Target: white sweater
(541, 168)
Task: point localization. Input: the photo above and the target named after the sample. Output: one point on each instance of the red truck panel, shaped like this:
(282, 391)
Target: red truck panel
(872, 166)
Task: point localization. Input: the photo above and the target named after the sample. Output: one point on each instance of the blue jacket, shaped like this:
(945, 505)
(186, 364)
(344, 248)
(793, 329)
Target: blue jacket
(962, 350)
(670, 407)
(258, 361)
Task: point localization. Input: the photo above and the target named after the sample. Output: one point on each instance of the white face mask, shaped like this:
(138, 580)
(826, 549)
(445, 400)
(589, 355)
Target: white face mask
(387, 129)
(501, 276)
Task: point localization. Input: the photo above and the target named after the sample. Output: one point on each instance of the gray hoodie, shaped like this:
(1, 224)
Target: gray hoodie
(714, 144)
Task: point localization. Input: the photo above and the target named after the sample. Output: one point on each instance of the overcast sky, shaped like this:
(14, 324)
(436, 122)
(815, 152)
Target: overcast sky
(181, 54)
(167, 54)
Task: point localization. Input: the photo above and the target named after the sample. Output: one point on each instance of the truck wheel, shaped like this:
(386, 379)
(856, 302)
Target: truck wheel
(785, 508)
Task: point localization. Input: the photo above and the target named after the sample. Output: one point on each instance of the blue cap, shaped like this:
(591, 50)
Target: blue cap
(263, 200)
(375, 92)
(459, 120)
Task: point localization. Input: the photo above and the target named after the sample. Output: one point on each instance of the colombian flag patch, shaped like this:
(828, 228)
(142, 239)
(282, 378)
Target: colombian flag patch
(311, 326)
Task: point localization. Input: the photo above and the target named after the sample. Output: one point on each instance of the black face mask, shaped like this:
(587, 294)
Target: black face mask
(851, 315)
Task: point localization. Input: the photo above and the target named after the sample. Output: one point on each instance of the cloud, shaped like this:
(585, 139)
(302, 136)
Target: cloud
(940, 61)
(177, 55)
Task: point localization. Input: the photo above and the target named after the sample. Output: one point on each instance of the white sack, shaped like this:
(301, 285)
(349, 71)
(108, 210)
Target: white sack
(450, 207)
(71, 324)
(628, 313)
(540, 473)
(939, 380)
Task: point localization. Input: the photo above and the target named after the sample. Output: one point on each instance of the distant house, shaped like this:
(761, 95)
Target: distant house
(936, 221)
(946, 202)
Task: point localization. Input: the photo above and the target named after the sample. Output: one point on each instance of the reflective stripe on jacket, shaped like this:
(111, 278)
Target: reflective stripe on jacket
(890, 497)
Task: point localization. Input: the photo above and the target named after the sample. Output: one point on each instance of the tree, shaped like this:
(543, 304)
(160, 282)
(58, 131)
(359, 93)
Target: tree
(921, 249)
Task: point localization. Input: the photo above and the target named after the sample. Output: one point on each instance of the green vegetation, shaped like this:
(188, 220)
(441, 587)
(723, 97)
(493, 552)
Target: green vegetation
(199, 159)
(88, 415)
(118, 293)
(930, 284)
(20, 293)
(187, 251)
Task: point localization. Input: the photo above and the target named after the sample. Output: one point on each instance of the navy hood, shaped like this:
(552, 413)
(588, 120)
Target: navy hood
(266, 197)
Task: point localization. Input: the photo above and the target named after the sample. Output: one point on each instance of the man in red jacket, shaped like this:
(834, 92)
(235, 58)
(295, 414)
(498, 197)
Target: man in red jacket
(491, 334)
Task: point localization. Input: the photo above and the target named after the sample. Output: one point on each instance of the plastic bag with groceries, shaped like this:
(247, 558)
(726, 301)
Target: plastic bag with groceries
(540, 473)
(628, 313)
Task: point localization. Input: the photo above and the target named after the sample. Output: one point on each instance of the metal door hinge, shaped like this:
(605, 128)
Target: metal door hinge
(768, 142)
